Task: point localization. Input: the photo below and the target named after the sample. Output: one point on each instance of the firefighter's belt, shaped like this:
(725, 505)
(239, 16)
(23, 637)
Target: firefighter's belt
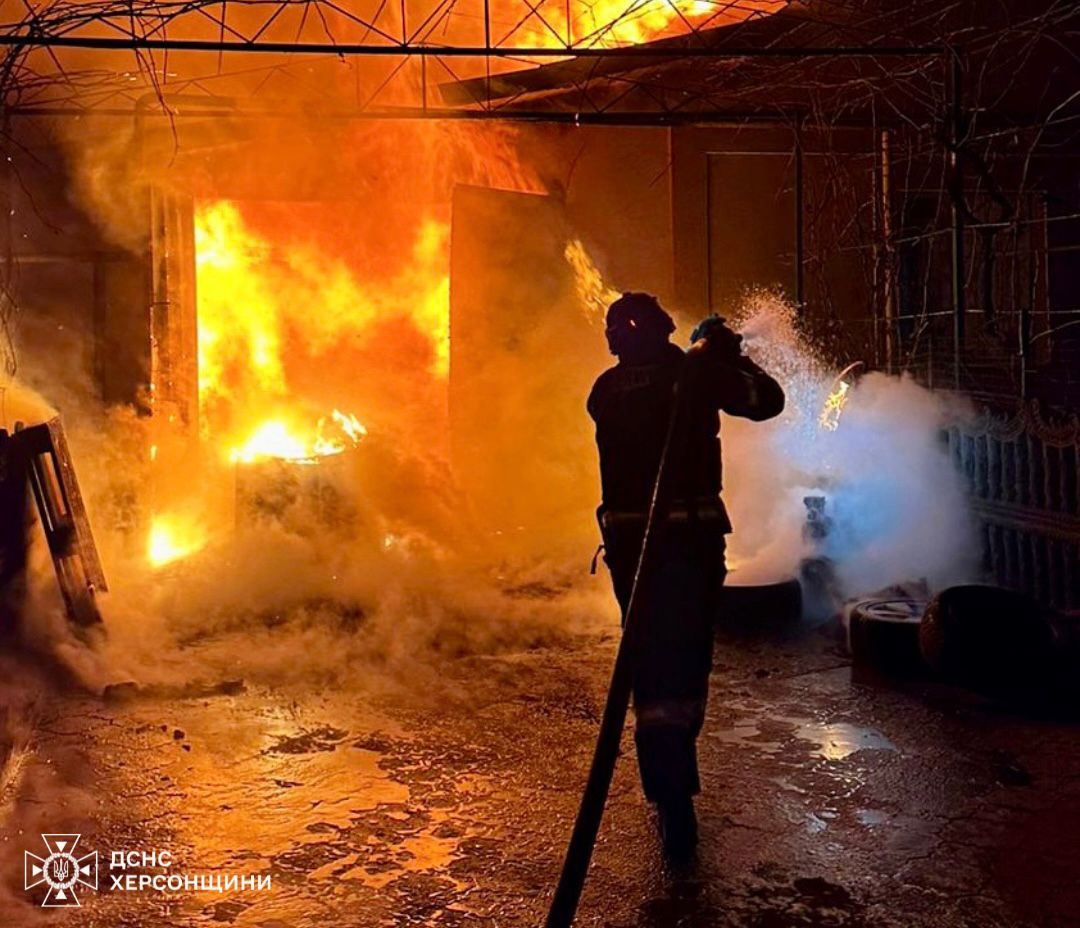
(706, 512)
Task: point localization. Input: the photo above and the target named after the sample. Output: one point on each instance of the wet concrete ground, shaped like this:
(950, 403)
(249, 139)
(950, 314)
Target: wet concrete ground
(827, 802)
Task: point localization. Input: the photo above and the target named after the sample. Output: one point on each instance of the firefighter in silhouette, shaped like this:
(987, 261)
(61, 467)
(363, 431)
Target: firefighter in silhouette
(631, 404)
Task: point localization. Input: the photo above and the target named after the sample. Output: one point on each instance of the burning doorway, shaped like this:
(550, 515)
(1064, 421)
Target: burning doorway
(280, 342)
(293, 344)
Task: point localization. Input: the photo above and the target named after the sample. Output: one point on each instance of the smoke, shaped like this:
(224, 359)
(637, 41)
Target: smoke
(376, 568)
(897, 506)
(386, 179)
(371, 567)
(376, 565)
(333, 293)
(21, 403)
(32, 790)
(364, 569)
(374, 578)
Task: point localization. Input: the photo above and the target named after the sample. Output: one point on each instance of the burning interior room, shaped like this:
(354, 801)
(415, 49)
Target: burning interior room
(309, 400)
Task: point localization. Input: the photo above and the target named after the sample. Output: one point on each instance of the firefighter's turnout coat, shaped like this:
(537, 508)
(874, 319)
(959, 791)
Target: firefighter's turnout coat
(631, 405)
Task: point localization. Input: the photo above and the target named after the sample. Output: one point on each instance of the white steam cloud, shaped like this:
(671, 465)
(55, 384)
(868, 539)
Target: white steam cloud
(897, 507)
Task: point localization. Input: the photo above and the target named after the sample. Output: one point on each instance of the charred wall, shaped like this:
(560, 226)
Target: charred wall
(79, 301)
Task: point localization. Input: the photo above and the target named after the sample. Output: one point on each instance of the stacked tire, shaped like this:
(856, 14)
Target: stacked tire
(984, 637)
(883, 634)
(761, 607)
(990, 639)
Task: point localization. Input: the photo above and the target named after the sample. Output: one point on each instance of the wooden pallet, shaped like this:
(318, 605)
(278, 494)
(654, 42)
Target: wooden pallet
(51, 474)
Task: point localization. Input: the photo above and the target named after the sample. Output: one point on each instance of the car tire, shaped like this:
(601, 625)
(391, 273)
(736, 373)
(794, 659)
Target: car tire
(884, 634)
(760, 607)
(989, 638)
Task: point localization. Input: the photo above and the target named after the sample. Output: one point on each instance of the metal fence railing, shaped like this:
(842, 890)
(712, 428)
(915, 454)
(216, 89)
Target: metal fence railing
(1022, 473)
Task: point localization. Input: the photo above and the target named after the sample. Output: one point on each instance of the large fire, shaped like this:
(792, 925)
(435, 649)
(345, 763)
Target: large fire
(612, 23)
(281, 325)
(261, 305)
(258, 302)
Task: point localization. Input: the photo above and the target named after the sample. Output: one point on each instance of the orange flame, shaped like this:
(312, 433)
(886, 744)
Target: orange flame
(592, 290)
(269, 310)
(256, 300)
(833, 407)
(612, 23)
(172, 538)
(262, 305)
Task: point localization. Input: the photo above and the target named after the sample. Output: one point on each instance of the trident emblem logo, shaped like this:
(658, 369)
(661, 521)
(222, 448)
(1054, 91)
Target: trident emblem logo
(60, 870)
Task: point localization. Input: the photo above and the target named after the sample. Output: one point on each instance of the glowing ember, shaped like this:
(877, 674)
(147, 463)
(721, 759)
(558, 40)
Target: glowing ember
(172, 538)
(829, 420)
(350, 425)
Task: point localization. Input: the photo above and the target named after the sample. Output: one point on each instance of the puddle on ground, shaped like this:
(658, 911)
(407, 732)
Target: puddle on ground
(316, 803)
(839, 740)
(832, 740)
(243, 806)
(749, 734)
(258, 785)
(871, 818)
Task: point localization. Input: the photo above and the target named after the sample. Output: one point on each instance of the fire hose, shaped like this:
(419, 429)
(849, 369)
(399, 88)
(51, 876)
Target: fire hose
(583, 838)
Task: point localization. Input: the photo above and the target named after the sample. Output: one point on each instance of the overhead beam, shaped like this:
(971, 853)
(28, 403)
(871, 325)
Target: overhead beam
(567, 117)
(135, 43)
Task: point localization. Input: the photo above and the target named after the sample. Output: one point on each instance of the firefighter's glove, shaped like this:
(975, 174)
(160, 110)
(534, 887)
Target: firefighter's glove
(713, 335)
